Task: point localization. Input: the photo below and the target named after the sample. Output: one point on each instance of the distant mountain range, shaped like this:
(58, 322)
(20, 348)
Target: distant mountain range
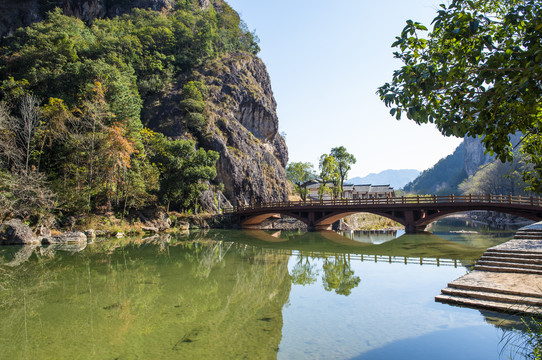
(395, 178)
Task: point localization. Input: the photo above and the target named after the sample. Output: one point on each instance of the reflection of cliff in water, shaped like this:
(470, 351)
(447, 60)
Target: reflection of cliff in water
(126, 299)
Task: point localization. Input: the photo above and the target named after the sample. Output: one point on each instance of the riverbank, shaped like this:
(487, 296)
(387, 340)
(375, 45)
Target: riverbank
(91, 227)
(506, 279)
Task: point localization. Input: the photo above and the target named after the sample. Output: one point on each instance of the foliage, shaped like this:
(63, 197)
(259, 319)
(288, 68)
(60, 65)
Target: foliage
(299, 173)
(84, 86)
(477, 73)
(183, 169)
(334, 169)
(527, 341)
(497, 178)
(194, 106)
(344, 160)
(329, 173)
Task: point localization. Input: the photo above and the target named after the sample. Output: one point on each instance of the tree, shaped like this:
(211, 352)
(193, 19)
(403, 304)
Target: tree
(328, 174)
(344, 160)
(497, 178)
(183, 169)
(477, 73)
(299, 173)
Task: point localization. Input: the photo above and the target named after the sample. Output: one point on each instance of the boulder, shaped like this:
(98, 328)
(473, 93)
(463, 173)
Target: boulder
(16, 232)
(154, 218)
(65, 238)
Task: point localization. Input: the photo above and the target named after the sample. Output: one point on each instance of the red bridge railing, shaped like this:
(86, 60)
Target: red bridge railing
(419, 199)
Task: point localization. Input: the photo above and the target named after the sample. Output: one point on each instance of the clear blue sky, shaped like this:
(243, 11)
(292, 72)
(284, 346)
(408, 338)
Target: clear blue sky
(326, 60)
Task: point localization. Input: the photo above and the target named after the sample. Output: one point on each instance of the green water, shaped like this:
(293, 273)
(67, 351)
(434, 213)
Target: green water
(244, 294)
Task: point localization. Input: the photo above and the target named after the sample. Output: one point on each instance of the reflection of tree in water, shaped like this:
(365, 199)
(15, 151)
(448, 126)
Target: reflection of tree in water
(146, 298)
(339, 276)
(303, 273)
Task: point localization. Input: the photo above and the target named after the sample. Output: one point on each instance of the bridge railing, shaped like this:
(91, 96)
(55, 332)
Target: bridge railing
(418, 199)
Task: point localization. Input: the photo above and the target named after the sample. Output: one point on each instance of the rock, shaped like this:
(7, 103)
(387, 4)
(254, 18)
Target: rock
(15, 232)
(197, 222)
(150, 229)
(44, 231)
(213, 201)
(65, 238)
(91, 234)
(119, 235)
(244, 128)
(18, 13)
(155, 218)
(70, 222)
(183, 225)
(100, 233)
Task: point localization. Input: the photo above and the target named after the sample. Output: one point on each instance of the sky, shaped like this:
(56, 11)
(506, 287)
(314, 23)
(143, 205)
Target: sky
(326, 60)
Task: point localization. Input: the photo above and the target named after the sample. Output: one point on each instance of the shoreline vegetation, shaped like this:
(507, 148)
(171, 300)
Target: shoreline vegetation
(157, 221)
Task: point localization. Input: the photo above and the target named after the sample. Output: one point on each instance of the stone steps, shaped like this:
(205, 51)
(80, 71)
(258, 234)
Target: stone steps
(512, 302)
(509, 263)
(489, 305)
(527, 237)
(518, 292)
(507, 269)
(513, 254)
(521, 260)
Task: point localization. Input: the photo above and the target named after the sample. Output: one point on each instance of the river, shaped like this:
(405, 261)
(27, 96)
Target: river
(247, 294)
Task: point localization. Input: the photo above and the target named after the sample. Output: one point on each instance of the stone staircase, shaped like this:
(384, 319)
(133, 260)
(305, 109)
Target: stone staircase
(507, 278)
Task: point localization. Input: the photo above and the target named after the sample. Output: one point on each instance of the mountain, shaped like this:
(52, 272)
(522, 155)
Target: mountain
(142, 102)
(395, 178)
(444, 177)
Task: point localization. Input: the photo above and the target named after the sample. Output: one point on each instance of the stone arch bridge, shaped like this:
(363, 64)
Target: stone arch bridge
(414, 213)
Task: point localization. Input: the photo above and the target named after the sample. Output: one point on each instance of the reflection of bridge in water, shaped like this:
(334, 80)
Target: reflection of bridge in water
(422, 249)
(414, 213)
(383, 258)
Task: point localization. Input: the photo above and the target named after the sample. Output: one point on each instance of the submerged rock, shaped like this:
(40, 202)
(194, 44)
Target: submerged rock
(16, 232)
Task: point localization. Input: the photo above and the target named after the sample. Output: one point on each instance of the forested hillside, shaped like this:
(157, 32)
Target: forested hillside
(119, 113)
(443, 178)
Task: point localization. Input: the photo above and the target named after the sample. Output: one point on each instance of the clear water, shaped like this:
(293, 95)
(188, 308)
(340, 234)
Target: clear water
(245, 294)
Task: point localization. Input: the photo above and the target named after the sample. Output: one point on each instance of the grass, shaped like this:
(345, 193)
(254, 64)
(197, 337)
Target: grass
(525, 342)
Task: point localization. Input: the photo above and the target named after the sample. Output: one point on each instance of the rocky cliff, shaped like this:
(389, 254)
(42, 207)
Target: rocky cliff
(18, 13)
(242, 126)
(474, 155)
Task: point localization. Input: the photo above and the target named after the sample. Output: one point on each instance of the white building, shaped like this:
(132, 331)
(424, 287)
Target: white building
(353, 192)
